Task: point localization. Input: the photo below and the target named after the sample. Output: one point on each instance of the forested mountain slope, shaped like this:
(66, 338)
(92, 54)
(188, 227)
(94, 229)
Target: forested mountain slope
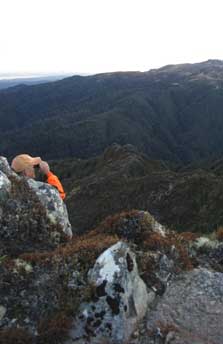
(173, 113)
(124, 179)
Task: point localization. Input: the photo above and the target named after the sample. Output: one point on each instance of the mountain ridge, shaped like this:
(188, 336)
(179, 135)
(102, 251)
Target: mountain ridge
(173, 113)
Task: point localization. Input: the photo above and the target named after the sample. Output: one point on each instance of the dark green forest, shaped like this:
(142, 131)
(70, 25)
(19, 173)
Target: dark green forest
(174, 113)
(183, 198)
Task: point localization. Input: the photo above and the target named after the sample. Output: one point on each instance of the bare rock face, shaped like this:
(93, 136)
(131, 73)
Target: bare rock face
(55, 207)
(191, 310)
(121, 299)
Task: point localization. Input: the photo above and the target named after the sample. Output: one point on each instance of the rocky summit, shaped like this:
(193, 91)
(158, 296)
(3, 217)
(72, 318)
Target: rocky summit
(129, 280)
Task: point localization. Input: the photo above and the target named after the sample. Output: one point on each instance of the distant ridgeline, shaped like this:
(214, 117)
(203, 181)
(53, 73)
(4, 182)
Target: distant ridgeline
(173, 113)
(7, 81)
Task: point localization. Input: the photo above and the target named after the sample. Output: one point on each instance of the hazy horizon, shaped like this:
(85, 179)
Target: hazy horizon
(9, 76)
(12, 76)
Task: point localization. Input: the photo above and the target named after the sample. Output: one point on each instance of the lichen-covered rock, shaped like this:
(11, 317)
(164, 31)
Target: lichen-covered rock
(191, 309)
(33, 293)
(161, 253)
(24, 225)
(32, 214)
(120, 299)
(5, 187)
(41, 291)
(55, 207)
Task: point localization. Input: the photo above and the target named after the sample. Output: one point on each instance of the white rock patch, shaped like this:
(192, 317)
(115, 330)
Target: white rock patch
(159, 228)
(108, 265)
(19, 263)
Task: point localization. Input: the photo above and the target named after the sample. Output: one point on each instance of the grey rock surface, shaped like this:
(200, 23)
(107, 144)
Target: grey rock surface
(55, 207)
(4, 167)
(192, 309)
(5, 187)
(32, 293)
(32, 214)
(121, 299)
(97, 291)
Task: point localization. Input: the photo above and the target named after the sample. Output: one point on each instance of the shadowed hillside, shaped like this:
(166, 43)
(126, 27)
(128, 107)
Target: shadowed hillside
(173, 113)
(123, 179)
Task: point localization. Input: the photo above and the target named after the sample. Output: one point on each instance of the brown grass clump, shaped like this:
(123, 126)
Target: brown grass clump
(54, 330)
(219, 234)
(147, 267)
(164, 329)
(146, 239)
(157, 242)
(185, 262)
(89, 246)
(189, 236)
(15, 336)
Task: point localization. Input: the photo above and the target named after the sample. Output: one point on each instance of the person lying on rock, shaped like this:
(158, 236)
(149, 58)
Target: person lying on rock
(28, 166)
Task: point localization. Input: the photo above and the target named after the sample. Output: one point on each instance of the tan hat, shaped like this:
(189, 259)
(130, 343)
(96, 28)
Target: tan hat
(22, 161)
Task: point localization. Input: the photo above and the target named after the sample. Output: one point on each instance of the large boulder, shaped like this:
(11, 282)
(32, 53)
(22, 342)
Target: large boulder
(54, 205)
(120, 301)
(32, 214)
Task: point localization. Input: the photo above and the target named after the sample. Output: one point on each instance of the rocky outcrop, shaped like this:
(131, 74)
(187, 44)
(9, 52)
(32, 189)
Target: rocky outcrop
(55, 207)
(130, 280)
(93, 284)
(32, 214)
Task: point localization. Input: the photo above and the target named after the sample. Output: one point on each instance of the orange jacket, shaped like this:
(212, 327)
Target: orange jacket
(54, 181)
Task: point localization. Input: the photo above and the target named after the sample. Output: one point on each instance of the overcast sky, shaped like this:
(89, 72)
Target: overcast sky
(92, 36)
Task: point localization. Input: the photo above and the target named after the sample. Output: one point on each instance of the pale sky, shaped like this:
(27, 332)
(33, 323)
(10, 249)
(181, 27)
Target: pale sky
(94, 36)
